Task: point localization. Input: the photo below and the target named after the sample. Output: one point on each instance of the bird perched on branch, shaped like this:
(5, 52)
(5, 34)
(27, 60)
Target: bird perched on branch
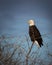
(35, 34)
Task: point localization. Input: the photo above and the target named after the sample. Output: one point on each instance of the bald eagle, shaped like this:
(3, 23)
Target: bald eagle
(35, 34)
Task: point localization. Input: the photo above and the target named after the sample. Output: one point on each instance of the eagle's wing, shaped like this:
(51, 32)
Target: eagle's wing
(38, 36)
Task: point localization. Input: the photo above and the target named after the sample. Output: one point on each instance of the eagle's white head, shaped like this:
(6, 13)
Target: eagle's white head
(31, 22)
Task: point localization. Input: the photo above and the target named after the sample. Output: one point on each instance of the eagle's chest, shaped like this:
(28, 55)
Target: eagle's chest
(31, 30)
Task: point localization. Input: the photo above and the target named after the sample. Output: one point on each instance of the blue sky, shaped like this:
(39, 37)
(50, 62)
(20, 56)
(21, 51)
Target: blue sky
(14, 15)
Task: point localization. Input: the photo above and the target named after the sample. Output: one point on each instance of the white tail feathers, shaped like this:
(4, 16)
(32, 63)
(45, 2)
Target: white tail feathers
(36, 43)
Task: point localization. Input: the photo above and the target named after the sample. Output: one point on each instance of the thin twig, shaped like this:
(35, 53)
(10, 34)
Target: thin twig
(29, 53)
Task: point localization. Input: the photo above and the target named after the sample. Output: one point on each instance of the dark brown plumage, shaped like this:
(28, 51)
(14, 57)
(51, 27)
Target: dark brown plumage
(35, 35)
